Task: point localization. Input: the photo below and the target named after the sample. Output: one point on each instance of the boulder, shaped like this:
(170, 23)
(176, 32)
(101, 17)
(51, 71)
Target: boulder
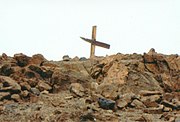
(22, 60)
(37, 59)
(152, 98)
(10, 85)
(6, 70)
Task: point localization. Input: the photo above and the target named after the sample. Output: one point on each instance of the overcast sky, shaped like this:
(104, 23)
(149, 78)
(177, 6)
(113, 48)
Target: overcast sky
(53, 27)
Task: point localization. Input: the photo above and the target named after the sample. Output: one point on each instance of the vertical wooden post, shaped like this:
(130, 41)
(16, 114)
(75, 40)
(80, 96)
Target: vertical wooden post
(93, 39)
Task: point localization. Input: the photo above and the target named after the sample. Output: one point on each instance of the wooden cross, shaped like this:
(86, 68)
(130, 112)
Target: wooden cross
(94, 42)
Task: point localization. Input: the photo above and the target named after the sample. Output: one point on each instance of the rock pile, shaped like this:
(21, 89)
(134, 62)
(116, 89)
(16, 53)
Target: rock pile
(120, 87)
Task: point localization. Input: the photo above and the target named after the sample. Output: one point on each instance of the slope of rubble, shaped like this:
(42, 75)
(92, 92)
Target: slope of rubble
(121, 87)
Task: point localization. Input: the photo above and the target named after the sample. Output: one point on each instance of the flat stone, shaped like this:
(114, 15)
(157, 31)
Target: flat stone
(137, 104)
(149, 93)
(167, 109)
(158, 110)
(121, 103)
(152, 98)
(169, 104)
(150, 104)
(125, 99)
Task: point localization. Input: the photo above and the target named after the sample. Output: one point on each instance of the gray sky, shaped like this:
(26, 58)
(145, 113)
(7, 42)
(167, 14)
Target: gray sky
(53, 27)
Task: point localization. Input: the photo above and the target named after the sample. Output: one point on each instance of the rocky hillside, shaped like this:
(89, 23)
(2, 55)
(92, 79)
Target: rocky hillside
(121, 87)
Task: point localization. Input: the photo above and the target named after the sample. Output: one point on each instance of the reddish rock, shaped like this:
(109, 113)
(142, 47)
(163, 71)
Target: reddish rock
(22, 60)
(37, 59)
(6, 70)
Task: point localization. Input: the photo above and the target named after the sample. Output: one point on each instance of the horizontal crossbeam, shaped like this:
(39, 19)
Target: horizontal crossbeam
(97, 43)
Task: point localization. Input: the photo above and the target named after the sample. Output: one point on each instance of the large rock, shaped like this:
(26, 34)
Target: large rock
(70, 72)
(108, 90)
(6, 70)
(22, 60)
(9, 85)
(37, 59)
(77, 89)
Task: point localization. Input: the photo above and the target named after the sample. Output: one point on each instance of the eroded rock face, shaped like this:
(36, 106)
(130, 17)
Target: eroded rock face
(122, 87)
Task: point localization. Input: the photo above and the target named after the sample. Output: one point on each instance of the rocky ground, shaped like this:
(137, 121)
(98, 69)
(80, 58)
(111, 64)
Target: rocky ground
(116, 88)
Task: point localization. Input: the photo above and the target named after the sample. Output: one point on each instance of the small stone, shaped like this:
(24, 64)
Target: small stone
(167, 109)
(25, 86)
(106, 103)
(121, 103)
(15, 97)
(45, 92)
(177, 119)
(83, 59)
(25, 93)
(125, 99)
(43, 86)
(35, 91)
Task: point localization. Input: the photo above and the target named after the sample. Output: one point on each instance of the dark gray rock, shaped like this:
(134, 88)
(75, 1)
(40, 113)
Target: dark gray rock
(106, 103)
